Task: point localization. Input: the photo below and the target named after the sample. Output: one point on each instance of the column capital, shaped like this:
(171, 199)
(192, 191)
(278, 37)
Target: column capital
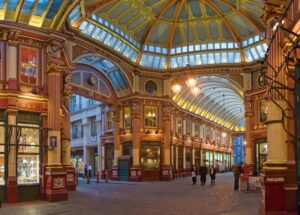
(136, 109)
(273, 9)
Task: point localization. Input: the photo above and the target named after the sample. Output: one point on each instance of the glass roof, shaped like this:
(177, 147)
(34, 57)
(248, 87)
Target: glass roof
(111, 71)
(155, 34)
(38, 13)
(221, 101)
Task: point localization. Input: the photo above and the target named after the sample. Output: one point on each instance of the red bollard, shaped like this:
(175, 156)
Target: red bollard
(88, 179)
(97, 177)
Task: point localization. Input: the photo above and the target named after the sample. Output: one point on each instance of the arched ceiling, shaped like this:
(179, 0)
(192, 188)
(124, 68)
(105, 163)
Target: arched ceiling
(113, 73)
(221, 101)
(155, 33)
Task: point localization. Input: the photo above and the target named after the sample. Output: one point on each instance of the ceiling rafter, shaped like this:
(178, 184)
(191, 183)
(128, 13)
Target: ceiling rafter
(219, 109)
(92, 8)
(18, 11)
(145, 39)
(173, 29)
(249, 19)
(234, 111)
(63, 14)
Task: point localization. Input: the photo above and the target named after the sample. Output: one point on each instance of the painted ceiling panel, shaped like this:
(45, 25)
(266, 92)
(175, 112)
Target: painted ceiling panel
(195, 8)
(214, 30)
(221, 6)
(240, 25)
(201, 31)
(209, 11)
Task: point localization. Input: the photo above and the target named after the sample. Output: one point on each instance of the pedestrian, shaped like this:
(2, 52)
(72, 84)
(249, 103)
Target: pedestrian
(85, 171)
(212, 174)
(194, 178)
(237, 171)
(90, 171)
(203, 173)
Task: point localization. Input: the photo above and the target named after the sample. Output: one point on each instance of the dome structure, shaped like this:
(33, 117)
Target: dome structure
(169, 34)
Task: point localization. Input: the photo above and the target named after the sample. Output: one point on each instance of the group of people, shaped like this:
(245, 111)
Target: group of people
(203, 173)
(237, 171)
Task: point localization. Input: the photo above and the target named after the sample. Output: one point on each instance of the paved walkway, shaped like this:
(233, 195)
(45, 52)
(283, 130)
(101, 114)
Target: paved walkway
(176, 197)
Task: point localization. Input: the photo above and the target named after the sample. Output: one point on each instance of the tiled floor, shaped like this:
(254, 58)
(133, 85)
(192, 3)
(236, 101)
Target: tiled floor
(176, 197)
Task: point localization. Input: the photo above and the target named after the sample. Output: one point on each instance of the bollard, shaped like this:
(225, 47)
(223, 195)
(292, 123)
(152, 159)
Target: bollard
(97, 177)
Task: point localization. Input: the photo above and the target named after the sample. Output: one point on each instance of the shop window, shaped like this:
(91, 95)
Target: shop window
(109, 120)
(2, 151)
(180, 158)
(179, 126)
(150, 116)
(127, 149)
(28, 65)
(150, 155)
(28, 154)
(188, 158)
(109, 156)
(263, 110)
(93, 127)
(127, 117)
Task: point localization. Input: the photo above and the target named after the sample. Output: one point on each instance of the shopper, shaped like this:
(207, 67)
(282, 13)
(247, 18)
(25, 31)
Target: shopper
(203, 173)
(194, 178)
(237, 171)
(212, 173)
(85, 171)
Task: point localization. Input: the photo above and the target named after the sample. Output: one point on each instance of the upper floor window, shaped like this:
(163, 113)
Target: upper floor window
(150, 116)
(93, 127)
(127, 117)
(77, 131)
(109, 120)
(28, 65)
(179, 126)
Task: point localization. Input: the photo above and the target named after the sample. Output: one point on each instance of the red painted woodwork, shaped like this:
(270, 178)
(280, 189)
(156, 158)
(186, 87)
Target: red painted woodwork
(12, 189)
(71, 178)
(166, 173)
(115, 173)
(274, 197)
(12, 84)
(136, 174)
(56, 185)
(151, 175)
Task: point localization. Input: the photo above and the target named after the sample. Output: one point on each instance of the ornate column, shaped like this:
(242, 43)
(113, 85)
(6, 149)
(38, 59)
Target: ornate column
(66, 143)
(166, 168)
(249, 167)
(55, 173)
(99, 142)
(12, 185)
(136, 170)
(117, 146)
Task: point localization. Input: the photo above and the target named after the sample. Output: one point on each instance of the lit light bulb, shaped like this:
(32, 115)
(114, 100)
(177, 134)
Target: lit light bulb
(245, 143)
(176, 88)
(224, 134)
(191, 82)
(196, 91)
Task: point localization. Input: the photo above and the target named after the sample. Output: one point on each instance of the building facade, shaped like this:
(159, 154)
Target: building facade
(174, 95)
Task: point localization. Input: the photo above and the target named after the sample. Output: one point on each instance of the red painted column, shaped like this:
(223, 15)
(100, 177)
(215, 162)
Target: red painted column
(12, 185)
(56, 175)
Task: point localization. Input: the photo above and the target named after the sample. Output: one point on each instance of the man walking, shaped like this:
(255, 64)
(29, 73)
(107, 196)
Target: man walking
(237, 171)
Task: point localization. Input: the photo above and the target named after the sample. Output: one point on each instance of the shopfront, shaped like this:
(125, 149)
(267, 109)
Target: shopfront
(261, 152)
(208, 159)
(3, 170)
(29, 156)
(151, 160)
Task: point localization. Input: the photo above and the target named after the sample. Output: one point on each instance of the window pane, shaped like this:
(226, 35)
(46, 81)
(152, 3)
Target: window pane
(29, 65)
(150, 116)
(2, 138)
(150, 156)
(127, 117)
(28, 169)
(2, 173)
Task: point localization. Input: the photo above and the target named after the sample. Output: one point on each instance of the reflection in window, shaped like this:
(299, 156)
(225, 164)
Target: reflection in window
(93, 127)
(263, 110)
(28, 154)
(150, 155)
(150, 116)
(77, 130)
(29, 65)
(127, 117)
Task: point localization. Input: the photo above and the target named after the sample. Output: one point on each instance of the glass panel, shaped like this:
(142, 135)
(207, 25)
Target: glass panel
(127, 117)
(2, 169)
(2, 137)
(28, 169)
(29, 65)
(150, 116)
(263, 111)
(150, 156)
(90, 29)
(109, 120)
(83, 25)
(102, 35)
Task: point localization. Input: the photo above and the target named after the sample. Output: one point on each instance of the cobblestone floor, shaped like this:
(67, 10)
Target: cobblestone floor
(176, 197)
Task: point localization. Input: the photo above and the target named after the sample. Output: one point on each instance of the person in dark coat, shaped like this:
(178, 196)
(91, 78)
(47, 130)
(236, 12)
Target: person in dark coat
(85, 171)
(237, 171)
(203, 173)
(212, 174)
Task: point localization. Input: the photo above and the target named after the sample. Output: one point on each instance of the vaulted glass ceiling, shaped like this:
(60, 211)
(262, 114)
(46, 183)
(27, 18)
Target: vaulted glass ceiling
(155, 33)
(221, 101)
(113, 73)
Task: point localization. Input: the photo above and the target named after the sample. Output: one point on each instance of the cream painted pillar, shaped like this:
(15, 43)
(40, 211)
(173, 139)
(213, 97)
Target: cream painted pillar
(176, 154)
(167, 87)
(99, 142)
(172, 155)
(11, 65)
(135, 133)
(184, 161)
(66, 144)
(193, 156)
(167, 134)
(248, 137)
(117, 146)
(276, 136)
(54, 107)
(193, 129)
(183, 126)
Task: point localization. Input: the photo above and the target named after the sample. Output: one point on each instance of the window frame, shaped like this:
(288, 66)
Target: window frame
(156, 116)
